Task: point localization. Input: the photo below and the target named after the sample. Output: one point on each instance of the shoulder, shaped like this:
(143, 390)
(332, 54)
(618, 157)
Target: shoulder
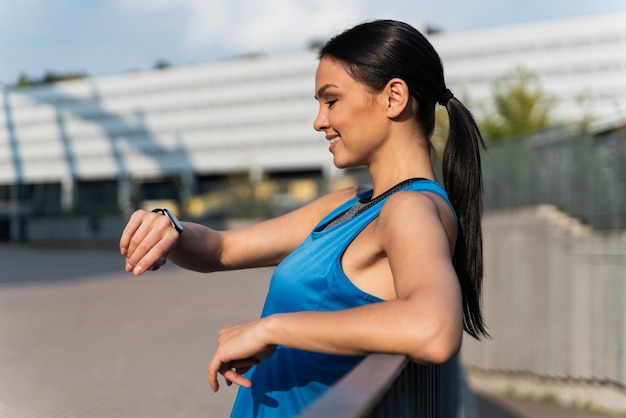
(414, 203)
(417, 213)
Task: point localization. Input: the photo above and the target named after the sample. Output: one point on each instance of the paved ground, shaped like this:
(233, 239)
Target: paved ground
(81, 338)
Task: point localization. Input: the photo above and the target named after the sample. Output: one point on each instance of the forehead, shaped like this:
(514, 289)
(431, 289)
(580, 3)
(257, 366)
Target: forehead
(331, 72)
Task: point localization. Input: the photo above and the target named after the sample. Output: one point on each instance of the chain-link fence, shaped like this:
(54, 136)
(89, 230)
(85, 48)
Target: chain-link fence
(581, 174)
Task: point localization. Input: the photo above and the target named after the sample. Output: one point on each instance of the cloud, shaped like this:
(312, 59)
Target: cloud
(240, 26)
(252, 25)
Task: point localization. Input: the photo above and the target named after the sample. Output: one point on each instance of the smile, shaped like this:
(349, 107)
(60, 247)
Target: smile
(333, 143)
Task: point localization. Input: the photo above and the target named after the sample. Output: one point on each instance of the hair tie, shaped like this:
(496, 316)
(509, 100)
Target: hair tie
(445, 97)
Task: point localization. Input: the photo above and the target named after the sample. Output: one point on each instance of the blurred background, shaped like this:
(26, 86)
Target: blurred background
(207, 108)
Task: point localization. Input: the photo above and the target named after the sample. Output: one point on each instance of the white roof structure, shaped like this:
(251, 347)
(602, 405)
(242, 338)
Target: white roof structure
(256, 113)
(581, 62)
(212, 118)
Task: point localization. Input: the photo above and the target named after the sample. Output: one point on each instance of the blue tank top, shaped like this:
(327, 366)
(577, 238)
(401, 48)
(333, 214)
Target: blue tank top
(311, 279)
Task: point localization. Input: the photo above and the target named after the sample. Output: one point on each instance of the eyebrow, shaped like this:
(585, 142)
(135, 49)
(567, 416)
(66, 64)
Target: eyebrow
(322, 89)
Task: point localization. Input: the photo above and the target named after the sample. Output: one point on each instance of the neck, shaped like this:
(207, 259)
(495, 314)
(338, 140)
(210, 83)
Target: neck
(401, 164)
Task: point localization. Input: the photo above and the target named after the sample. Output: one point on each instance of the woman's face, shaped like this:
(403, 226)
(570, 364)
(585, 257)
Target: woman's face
(352, 117)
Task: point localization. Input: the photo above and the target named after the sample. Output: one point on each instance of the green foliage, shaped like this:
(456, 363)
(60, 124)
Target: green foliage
(48, 77)
(440, 134)
(520, 107)
(585, 104)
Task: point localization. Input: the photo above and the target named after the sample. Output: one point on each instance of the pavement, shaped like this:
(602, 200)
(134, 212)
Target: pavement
(80, 338)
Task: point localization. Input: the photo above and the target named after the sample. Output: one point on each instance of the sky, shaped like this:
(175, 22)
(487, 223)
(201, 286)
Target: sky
(102, 37)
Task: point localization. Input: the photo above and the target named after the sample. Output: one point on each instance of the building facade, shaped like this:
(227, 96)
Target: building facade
(103, 145)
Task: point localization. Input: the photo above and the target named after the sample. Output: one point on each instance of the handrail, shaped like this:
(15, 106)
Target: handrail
(391, 385)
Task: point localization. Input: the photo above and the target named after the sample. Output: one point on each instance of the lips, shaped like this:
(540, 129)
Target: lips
(333, 142)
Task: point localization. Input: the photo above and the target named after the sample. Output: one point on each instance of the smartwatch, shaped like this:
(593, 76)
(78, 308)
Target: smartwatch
(173, 220)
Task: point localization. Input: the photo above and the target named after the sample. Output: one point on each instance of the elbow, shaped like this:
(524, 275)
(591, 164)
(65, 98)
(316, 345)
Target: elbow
(438, 346)
(436, 354)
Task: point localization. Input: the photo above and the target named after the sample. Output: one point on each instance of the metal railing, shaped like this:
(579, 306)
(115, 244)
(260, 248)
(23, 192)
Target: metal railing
(391, 385)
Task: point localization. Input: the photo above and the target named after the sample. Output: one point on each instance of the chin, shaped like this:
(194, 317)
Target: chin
(342, 164)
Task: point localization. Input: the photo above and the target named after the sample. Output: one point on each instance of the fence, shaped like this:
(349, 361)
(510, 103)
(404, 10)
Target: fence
(386, 385)
(580, 173)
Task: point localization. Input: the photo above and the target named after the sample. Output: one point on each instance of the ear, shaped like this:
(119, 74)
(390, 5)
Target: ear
(397, 97)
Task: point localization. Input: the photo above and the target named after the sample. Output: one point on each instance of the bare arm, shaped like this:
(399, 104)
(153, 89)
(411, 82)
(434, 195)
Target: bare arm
(149, 239)
(424, 322)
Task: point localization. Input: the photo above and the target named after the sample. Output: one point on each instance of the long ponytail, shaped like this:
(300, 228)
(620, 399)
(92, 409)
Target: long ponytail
(462, 178)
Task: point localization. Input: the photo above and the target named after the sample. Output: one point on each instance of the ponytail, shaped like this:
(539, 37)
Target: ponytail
(462, 180)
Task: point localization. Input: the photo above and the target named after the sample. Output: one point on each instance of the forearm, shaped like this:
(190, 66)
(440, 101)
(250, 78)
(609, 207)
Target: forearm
(388, 327)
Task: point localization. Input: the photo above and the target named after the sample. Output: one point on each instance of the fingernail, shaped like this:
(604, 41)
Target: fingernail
(138, 270)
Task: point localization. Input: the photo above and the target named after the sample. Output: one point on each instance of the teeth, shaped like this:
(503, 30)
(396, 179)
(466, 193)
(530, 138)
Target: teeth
(332, 141)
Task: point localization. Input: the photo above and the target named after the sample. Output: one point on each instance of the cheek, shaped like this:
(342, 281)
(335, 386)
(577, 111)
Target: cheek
(347, 119)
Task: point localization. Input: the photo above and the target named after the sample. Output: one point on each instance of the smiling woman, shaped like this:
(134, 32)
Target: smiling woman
(392, 269)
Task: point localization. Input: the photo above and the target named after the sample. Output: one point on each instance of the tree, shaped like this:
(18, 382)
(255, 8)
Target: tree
(520, 107)
(49, 77)
(161, 64)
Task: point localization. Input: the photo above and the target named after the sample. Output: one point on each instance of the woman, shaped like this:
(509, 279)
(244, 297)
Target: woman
(394, 269)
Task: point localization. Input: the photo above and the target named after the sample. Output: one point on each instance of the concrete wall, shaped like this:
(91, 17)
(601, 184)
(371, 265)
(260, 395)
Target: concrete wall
(554, 296)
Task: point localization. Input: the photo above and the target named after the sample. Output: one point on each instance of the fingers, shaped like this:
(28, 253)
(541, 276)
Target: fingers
(133, 223)
(239, 347)
(146, 241)
(242, 366)
(232, 376)
(232, 372)
(159, 263)
(214, 369)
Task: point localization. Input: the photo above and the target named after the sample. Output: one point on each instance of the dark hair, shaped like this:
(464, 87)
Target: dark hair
(375, 52)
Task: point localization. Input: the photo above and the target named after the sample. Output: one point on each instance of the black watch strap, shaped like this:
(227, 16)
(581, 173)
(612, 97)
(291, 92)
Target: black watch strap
(173, 220)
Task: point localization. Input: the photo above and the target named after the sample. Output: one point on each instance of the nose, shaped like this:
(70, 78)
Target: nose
(321, 122)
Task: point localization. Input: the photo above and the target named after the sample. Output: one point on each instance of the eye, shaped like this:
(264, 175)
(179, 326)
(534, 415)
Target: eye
(331, 102)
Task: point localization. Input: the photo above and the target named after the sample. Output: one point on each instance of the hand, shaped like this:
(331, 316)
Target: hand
(238, 349)
(146, 241)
